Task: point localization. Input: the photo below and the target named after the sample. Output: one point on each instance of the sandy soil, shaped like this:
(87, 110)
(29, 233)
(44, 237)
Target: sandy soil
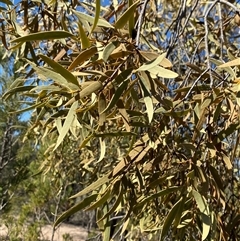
(76, 232)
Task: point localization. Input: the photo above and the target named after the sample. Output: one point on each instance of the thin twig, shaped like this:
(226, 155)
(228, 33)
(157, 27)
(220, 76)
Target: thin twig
(221, 30)
(194, 84)
(230, 5)
(189, 16)
(140, 22)
(206, 40)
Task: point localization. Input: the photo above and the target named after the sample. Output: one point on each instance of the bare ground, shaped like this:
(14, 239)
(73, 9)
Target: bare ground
(76, 232)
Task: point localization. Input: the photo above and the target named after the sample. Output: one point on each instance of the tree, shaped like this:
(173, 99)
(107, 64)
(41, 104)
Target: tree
(150, 94)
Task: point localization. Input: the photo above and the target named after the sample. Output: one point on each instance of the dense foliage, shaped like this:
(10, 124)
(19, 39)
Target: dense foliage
(148, 95)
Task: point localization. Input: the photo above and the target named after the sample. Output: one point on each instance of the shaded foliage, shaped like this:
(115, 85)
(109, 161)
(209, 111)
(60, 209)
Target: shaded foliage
(149, 92)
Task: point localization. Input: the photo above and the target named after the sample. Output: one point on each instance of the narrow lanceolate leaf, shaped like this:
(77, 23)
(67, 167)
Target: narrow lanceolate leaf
(79, 206)
(108, 50)
(67, 124)
(107, 225)
(115, 205)
(84, 17)
(131, 22)
(95, 86)
(157, 195)
(60, 69)
(43, 36)
(100, 201)
(205, 214)
(93, 186)
(169, 219)
(97, 14)
(152, 63)
(159, 71)
(117, 95)
(126, 16)
(152, 56)
(38, 105)
(50, 74)
(84, 55)
(232, 63)
(148, 101)
(84, 39)
(227, 161)
(101, 108)
(102, 149)
(16, 90)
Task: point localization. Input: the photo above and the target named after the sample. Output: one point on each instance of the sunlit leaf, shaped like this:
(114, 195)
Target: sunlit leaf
(91, 88)
(93, 186)
(77, 207)
(84, 55)
(152, 63)
(117, 95)
(43, 36)
(108, 50)
(97, 14)
(126, 16)
(159, 71)
(67, 124)
(231, 63)
(169, 219)
(84, 39)
(101, 108)
(100, 201)
(101, 22)
(59, 69)
(205, 214)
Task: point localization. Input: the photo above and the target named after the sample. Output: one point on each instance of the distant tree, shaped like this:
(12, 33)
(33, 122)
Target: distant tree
(148, 93)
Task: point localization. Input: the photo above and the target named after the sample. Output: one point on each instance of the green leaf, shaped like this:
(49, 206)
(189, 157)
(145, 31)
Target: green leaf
(205, 214)
(8, 2)
(126, 16)
(84, 55)
(169, 219)
(153, 63)
(93, 186)
(16, 90)
(157, 195)
(115, 205)
(101, 108)
(67, 124)
(108, 50)
(102, 149)
(216, 177)
(147, 100)
(84, 17)
(43, 36)
(84, 39)
(117, 95)
(91, 88)
(158, 71)
(85, 141)
(107, 225)
(75, 208)
(32, 107)
(131, 21)
(97, 14)
(227, 161)
(50, 74)
(59, 69)
(101, 200)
